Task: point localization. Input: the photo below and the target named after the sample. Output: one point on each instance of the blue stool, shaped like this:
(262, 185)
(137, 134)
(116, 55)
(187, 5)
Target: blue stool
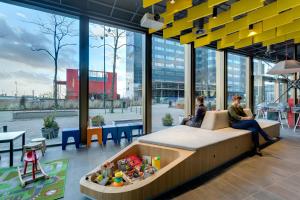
(126, 129)
(139, 126)
(109, 129)
(70, 132)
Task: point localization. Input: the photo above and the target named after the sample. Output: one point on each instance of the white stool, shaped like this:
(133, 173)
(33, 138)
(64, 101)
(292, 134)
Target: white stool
(43, 141)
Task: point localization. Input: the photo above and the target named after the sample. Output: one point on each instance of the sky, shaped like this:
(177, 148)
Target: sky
(23, 70)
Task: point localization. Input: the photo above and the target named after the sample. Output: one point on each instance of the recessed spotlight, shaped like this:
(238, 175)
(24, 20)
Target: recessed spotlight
(252, 32)
(172, 1)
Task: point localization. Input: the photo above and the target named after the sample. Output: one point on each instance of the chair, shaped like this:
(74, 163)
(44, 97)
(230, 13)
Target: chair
(94, 131)
(127, 130)
(66, 133)
(43, 141)
(113, 130)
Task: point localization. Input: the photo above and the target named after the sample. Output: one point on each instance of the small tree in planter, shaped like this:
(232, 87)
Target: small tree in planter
(167, 120)
(98, 120)
(51, 128)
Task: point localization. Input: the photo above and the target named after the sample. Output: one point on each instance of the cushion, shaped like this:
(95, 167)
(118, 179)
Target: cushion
(189, 138)
(214, 120)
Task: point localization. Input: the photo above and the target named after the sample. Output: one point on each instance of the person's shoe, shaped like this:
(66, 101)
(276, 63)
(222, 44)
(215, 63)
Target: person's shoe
(272, 139)
(258, 152)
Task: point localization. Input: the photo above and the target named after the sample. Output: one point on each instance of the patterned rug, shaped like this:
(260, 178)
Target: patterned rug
(52, 188)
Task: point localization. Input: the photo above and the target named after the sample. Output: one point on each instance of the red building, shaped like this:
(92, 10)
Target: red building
(96, 84)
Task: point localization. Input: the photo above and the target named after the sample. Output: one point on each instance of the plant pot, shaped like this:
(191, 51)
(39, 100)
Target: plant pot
(50, 133)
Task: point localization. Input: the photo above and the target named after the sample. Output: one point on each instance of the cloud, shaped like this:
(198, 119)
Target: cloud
(22, 15)
(17, 42)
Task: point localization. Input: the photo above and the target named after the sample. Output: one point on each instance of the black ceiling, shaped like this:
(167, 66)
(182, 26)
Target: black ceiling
(128, 13)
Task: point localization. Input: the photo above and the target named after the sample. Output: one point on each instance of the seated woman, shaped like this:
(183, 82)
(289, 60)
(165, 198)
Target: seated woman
(196, 121)
(239, 120)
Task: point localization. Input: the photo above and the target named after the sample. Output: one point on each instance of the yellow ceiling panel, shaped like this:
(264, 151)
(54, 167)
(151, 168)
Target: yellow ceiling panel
(223, 18)
(187, 38)
(199, 11)
(289, 28)
(216, 35)
(167, 18)
(245, 6)
(297, 40)
(262, 13)
(279, 20)
(236, 25)
(178, 6)
(287, 4)
(282, 38)
(147, 3)
(264, 36)
(212, 3)
(200, 42)
(243, 43)
(274, 41)
(228, 40)
(178, 26)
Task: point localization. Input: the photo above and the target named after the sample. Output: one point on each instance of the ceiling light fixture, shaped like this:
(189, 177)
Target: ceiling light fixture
(252, 32)
(215, 12)
(172, 1)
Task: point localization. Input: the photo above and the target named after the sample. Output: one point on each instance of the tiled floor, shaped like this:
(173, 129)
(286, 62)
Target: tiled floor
(274, 176)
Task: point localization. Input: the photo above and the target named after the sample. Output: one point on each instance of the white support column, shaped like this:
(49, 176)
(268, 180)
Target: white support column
(187, 79)
(220, 78)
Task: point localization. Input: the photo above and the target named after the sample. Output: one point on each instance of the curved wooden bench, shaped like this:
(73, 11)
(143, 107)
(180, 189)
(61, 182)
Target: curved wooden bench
(185, 152)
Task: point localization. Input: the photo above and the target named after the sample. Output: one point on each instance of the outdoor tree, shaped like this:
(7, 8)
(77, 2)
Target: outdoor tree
(59, 29)
(116, 35)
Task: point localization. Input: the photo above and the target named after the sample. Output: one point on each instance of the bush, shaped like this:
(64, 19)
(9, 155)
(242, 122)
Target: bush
(167, 120)
(49, 122)
(98, 120)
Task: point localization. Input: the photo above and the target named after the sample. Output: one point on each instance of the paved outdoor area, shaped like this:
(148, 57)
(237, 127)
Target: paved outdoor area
(33, 126)
(274, 176)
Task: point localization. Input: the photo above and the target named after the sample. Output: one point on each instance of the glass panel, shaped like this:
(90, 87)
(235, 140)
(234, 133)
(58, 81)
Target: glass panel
(206, 76)
(236, 77)
(34, 82)
(167, 83)
(264, 84)
(115, 78)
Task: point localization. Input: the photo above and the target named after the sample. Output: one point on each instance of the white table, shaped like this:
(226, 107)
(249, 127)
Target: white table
(10, 137)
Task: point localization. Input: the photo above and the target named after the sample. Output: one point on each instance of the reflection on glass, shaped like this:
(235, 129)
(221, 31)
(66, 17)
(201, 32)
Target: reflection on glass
(167, 83)
(206, 76)
(236, 77)
(115, 77)
(38, 52)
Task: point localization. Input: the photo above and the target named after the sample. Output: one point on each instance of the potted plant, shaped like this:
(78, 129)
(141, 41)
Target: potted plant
(98, 120)
(167, 120)
(51, 128)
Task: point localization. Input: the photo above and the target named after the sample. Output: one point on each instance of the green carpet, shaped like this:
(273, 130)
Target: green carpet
(52, 188)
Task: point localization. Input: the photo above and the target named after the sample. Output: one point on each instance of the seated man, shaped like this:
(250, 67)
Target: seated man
(239, 120)
(196, 121)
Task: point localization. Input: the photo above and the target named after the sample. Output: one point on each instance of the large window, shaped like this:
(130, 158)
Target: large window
(115, 74)
(264, 84)
(167, 83)
(206, 76)
(39, 71)
(236, 77)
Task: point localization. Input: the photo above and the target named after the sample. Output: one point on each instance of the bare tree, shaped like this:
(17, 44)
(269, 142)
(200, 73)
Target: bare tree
(116, 35)
(59, 28)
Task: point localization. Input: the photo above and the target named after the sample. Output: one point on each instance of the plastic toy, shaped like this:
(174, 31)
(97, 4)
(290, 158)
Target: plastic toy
(156, 162)
(118, 179)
